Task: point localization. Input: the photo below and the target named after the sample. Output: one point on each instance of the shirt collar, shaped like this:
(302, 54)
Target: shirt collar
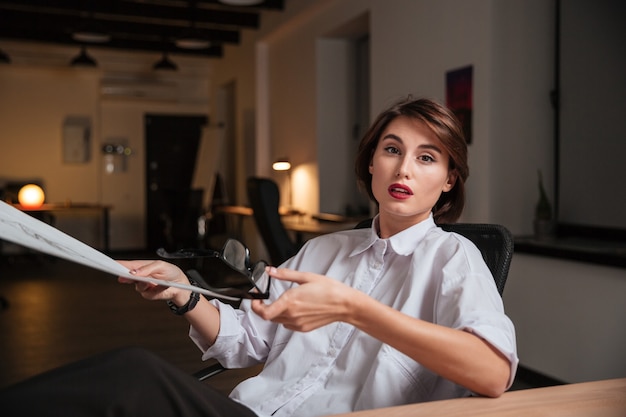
(404, 242)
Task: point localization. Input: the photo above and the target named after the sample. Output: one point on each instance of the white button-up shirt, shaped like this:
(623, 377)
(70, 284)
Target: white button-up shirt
(423, 271)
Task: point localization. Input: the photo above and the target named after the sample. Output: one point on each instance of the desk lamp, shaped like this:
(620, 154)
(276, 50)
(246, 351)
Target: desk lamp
(283, 164)
(31, 196)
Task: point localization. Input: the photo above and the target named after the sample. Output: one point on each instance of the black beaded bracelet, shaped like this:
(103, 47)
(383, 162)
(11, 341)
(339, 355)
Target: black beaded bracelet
(193, 300)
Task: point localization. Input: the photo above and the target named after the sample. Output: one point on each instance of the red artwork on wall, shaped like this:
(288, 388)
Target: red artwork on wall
(459, 97)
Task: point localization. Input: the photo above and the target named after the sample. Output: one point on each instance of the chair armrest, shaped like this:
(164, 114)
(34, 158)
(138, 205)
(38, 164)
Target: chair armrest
(209, 371)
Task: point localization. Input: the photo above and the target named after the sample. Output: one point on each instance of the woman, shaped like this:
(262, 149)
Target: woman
(397, 313)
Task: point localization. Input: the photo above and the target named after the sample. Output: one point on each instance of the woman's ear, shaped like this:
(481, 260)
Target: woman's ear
(452, 177)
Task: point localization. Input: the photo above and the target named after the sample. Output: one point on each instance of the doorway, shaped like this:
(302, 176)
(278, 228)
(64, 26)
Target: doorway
(172, 206)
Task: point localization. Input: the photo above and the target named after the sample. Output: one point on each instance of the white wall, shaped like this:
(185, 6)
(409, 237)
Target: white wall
(521, 118)
(32, 123)
(39, 90)
(569, 317)
(334, 116)
(32, 140)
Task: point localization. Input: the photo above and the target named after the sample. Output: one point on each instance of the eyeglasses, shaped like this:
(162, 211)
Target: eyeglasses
(236, 256)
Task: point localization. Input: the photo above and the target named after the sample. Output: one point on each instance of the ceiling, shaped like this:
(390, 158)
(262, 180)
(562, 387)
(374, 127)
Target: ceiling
(132, 25)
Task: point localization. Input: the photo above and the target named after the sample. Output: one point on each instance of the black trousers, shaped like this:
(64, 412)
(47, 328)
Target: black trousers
(125, 382)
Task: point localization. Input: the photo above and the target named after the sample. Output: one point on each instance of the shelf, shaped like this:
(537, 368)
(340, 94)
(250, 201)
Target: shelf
(597, 251)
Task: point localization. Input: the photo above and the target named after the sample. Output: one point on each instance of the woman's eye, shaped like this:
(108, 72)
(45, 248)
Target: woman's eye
(392, 149)
(426, 158)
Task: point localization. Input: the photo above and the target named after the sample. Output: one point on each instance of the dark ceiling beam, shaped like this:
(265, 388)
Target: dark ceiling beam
(133, 12)
(276, 5)
(148, 25)
(14, 22)
(126, 44)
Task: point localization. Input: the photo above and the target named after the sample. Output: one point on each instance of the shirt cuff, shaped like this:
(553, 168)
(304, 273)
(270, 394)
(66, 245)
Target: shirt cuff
(229, 324)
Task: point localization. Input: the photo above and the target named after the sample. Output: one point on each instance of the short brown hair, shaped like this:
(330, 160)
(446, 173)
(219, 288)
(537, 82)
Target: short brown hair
(444, 124)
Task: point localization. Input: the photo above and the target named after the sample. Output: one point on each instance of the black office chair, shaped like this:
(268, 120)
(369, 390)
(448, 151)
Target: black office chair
(494, 241)
(264, 198)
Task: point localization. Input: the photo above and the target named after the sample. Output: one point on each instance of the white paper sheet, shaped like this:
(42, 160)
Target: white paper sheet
(18, 227)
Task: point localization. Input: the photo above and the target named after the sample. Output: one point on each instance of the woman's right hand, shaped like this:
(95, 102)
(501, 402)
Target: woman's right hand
(205, 318)
(160, 270)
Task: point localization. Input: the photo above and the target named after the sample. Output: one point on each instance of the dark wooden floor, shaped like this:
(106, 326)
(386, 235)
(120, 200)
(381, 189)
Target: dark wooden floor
(59, 312)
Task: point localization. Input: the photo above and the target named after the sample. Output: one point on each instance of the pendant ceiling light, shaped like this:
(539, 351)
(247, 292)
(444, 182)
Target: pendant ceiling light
(83, 59)
(90, 30)
(192, 41)
(91, 36)
(191, 38)
(165, 64)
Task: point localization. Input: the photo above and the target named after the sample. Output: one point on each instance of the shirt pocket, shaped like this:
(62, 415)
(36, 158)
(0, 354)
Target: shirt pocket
(412, 380)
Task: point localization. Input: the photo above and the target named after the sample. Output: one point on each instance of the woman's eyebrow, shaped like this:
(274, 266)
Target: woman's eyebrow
(431, 147)
(425, 146)
(392, 136)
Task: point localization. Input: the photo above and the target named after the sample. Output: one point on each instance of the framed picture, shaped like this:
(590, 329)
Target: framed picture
(76, 139)
(459, 97)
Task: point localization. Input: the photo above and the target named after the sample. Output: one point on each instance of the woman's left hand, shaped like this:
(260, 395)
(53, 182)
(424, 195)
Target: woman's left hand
(315, 302)
(155, 269)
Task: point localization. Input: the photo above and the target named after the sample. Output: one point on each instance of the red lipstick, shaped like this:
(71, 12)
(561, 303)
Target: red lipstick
(399, 191)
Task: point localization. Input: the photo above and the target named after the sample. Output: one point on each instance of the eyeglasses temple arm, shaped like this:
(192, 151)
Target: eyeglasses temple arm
(187, 253)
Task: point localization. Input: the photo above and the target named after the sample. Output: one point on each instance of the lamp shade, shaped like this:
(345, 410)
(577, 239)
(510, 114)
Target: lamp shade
(281, 165)
(165, 64)
(83, 59)
(31, 196)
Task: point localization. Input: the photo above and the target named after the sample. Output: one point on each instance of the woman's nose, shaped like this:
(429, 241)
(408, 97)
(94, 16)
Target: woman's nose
(403, 170)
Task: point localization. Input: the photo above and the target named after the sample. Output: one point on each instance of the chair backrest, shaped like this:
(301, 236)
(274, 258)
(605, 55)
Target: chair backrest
(494, 241)
(264, 198)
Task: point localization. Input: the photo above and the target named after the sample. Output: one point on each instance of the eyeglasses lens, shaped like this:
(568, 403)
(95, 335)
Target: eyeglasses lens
(260, 278)
(234, 253)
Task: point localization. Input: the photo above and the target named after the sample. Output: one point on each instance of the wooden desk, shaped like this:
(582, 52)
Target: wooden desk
(234, 210)
(235, 216)
(299, 223)
(589, 399)
(75, 208)
(312, 227)
(247, 211)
